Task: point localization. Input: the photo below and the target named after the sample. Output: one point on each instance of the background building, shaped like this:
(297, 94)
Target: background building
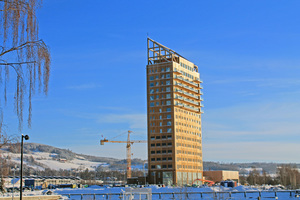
(221, 175)
(174, 117)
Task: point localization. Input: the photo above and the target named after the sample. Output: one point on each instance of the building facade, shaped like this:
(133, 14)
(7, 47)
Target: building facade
(174, 117)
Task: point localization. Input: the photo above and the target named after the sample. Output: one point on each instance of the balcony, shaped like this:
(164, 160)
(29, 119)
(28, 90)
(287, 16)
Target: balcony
(186, 80)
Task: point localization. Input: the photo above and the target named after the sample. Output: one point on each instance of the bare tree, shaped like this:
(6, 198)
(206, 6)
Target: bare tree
(22, 52)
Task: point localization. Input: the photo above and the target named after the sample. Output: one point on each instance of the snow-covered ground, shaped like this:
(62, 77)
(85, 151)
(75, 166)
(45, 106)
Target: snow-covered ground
(116, 193)
(239, 192)
(49, 160)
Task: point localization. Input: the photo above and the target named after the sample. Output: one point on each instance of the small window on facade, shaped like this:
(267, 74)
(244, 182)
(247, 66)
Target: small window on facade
(151, 91)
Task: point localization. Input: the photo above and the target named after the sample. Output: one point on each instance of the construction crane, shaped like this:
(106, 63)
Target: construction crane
(128, 150)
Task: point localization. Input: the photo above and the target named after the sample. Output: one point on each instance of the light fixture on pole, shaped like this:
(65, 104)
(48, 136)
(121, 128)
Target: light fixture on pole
(26, 137)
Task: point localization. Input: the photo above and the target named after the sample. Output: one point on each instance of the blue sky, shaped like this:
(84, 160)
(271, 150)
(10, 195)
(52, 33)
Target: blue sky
(248, 58)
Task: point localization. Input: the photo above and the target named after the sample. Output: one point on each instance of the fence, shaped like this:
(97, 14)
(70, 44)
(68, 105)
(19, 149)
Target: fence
(224, 195)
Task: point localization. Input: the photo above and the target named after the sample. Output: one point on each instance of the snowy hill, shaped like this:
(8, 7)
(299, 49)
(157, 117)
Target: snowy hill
(40, 156)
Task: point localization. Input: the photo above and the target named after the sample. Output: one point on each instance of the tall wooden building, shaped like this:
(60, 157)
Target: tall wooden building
(174, 117)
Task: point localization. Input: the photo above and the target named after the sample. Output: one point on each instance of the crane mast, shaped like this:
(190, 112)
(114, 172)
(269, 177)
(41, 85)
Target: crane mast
(128, 150)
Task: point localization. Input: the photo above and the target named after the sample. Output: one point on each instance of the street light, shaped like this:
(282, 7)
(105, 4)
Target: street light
(21, 170)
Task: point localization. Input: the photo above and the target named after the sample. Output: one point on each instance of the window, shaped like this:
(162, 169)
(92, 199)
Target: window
(152, 145)
(168, 103)
(158, 152)
(167, 69)
(158, 159)
(169, 151)
(152, 138)
(164, 151)
(157, 137)
(169, 130)
(152, 166)
(163, 76)
(168, 89)
(168, 76)
(168, 109)
(169, 123)
(151, 91)
(162, 69)
(160, 123)
(168, 96)
(151, 84)
(168, 82)
(156, 77)
(157, 103)
(160, 130)
(170, 158)
(152, 159)
(151, 98)
(157, 90)
(168, 116)
(151, 104)
(169, 166)
(157, 96)
(156, 83)
(160, 110)
(163, 144)
(158, 166)
(158, 144)
(152, 152)
(161, 83)
(164, 158)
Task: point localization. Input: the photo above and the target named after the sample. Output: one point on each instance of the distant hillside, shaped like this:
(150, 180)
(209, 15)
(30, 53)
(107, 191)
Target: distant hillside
(270, 168)
(39, 157)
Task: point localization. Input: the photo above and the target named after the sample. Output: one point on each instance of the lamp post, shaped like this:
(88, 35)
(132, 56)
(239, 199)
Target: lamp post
(21, 170)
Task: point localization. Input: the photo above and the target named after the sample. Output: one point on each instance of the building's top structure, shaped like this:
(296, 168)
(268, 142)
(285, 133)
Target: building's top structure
(158, 53)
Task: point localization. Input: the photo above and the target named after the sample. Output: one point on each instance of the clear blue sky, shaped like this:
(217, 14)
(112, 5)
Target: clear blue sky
(247, 53)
